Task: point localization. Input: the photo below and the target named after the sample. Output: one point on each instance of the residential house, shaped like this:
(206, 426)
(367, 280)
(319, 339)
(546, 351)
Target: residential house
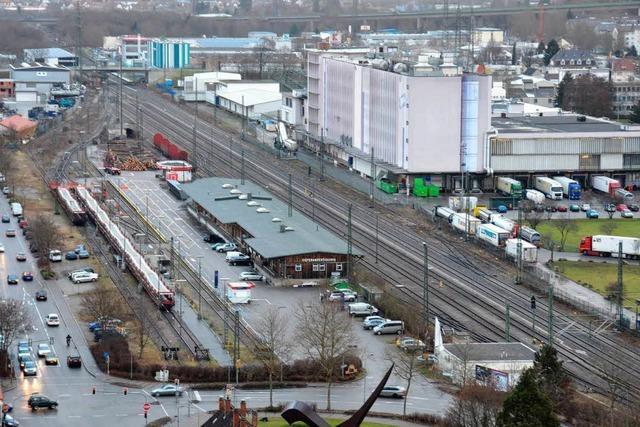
(532, 90)
(573, 58)
(23, 128)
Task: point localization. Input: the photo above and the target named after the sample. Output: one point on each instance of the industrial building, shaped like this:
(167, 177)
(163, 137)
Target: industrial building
(248, 98)
(195, 86)
(169, 54)
(51, 56)
(279, 239)
(416, 119)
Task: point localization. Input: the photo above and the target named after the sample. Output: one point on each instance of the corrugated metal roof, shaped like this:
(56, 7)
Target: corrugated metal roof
(306, 237)
(249, 97)
(503, 351)
(50, 52)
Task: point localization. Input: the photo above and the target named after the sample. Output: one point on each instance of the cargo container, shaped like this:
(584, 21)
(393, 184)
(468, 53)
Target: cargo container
(605, 184)
(570, 187)
(529, 251)
(505, 223)
(530, 235)
(387, 186)
(603, 245)
(535, 196)
(485, 215)
(458, 203)
(444, 212)
(464, 223)
(492, 234)
(549, 187)
(509, 187)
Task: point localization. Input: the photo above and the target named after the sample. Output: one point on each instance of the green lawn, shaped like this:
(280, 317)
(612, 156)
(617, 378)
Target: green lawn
(589, 227)
(600, 275)
(280, 422)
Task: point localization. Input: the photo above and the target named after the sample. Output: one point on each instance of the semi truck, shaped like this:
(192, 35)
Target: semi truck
(603, 245)
(464, 223)
(528, 250)
(492, 234)
(570, 187)
(605, 184)
(549, 187)
(535, 196)
(530, 235)
(505, 223)
(509, 187)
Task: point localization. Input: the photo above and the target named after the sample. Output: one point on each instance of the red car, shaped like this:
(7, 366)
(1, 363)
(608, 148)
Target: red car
(621, 207)
(562, 208)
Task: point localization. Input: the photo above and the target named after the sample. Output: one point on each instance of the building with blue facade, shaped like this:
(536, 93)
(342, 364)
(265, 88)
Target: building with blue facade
(169, 54)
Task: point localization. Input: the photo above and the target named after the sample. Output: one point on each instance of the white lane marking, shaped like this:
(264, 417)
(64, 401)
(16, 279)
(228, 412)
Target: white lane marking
(203, 410)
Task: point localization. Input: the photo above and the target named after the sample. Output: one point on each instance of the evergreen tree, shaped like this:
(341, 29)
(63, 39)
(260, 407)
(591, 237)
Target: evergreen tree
(527, 405)
(513, 55)
(551, 376)
(634, 117)
(541, 48)
(633, 52)
(562, 88)
(552, 49)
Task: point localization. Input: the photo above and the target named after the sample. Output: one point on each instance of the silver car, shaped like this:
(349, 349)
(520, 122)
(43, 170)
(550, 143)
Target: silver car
(251, 275)
(44, 350)
(167, 390)
(393, 391)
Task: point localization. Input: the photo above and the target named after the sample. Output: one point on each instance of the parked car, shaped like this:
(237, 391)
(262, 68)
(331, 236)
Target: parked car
(55, 255)
(634, 207)
(83, 254)
(390, 327)
(79, 248)
(408, 344)
(21, 256)
(43, 349)
(395, 391)
(372, 321)
(226, 247)
(12, 279)
(71, 256)
(11, 232)
(6, 191)
(362, 309)
(574, 208)
(215, 246)
(585, 207)
(41, 295)
(550, 208)
(81, 270)
(251, 275)
(620, 207)
(23, 224)
(30, 368)
(74, 361)
(610, 207)
(502, 209)
(343, 295)
(51, 359)
(562, 208)
(84, 277)
(52, 319)
(9, 421)
(167, 390)
(27, 276)
(6, 218)
(626, 214)
(593, 214)
(41, 401)
(1, 247)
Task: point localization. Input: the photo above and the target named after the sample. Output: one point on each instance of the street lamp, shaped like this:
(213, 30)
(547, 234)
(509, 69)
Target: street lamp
(200, 287)
(178, 291)
(364, 366)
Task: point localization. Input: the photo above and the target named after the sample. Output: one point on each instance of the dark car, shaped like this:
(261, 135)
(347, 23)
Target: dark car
(41, 295)
(40, 401)
(71, 256)
(551, 208)
(6, 218)
(83, 254)
(12, 279)
(634, 207)
(74, 361)
(21, 256)
(562, 208)
(610, 207)
(33, 248)
(27, 276)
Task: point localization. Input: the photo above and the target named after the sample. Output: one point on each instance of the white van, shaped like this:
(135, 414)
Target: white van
(232, 254)
(55, 255)
(361, 309)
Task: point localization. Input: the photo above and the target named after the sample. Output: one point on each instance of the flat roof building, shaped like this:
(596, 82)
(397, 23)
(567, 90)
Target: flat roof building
(51, 56)
(290, 247)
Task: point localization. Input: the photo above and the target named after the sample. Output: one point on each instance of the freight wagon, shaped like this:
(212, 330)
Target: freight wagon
(465, 223)
(492, 234)
(505, 223)
(444, 212)
(168, 149)
(529, 251)
(530, 235)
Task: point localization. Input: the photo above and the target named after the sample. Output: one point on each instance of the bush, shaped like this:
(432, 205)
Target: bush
(47, 274)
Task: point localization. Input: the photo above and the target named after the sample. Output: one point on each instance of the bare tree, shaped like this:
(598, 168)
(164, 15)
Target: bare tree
(475, 406)
(103, 302)
(608, 227)
(565, 226)
(46, 235)
(14, 321)
(275, 343)
(142, 332)
(612, 373)
(320, 335)
(405, 367)
(531, 216)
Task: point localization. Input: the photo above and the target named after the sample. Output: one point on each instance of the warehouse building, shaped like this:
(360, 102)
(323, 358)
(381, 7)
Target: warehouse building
(285, 243)
(51, 56)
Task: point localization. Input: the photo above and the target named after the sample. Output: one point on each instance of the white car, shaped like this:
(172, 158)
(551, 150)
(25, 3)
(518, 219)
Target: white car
(345, 295)
(55, 255)
(1, 247)
(585, 207)
(52, 319)
(84, 277)
(251, 275)
(43, 349)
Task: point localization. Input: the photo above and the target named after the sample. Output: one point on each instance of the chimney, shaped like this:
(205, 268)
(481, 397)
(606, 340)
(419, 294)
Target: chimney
(243, 408)
(221, 404)
(227, 406)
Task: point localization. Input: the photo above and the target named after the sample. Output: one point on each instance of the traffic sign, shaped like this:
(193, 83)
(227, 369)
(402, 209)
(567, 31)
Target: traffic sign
(146, 407)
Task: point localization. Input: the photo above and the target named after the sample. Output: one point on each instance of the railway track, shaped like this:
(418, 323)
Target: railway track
(472, 300)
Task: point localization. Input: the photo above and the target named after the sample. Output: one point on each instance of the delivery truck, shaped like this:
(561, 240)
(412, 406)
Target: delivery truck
(505, 223)
(549, 187)
(528, 250)
(570, 187)
(509, 187)
(605, 184)
(492, 234)
(530, 235)
(460, 220)
(602, 245)
(535, 196)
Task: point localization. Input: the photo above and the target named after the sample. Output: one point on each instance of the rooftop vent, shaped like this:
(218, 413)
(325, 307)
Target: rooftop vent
(243, 197)
(235, 191)
(253, 203)
(276, 220)
(262, 210)
(228, 186)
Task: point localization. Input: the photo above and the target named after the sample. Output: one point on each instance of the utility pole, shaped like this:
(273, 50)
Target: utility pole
(194, 161)
(321, 154)
(507, 323)
(425, 286)
(372, 183)
(290, 197)
(172, 258)
(199, 287)
(244, 116)
(518, 280)
(236, 344)
(550, 325)
(121, 115)
(349, 246)
(376, 238)
(79, 39)
(242, 167)
(620, 289)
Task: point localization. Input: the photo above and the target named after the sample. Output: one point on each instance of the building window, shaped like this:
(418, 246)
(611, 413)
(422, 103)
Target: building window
(31, 85)
(562, 62)
(579, 62)
(321, 267)
(288, 102)
(339, 267)
(315, 267)
(298, 267)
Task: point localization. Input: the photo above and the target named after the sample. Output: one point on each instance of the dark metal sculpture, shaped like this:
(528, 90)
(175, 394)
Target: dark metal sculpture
(301, 411)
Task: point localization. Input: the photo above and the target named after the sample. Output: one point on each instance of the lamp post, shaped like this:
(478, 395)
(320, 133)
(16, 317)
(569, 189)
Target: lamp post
(199, 287)
(364, 387)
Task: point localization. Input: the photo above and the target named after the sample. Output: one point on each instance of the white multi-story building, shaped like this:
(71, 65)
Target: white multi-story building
(292, 109)
(415, 123)
(632, 38)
